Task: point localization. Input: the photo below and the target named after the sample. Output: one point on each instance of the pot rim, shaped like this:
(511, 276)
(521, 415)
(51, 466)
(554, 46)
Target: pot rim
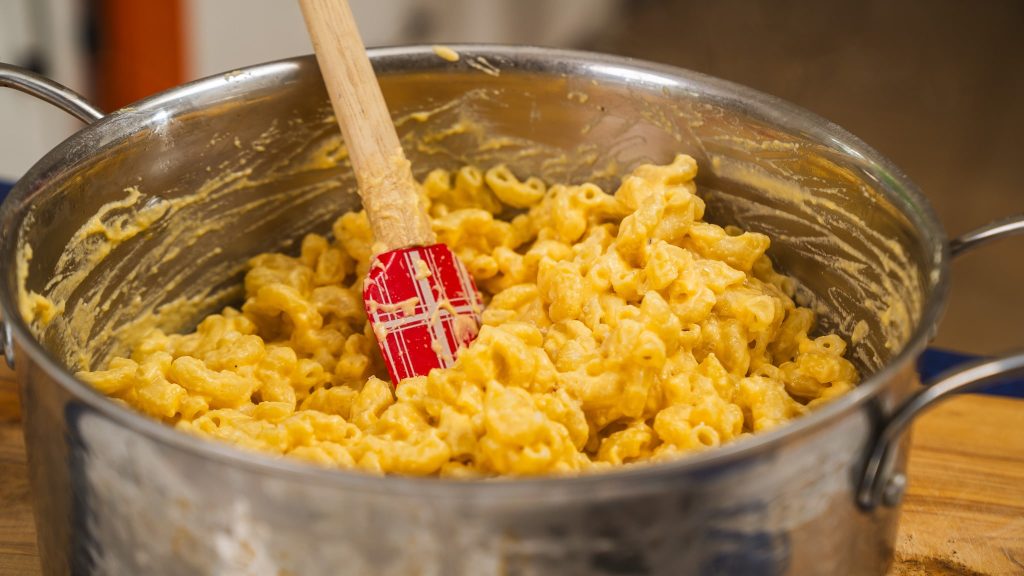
(393, 60)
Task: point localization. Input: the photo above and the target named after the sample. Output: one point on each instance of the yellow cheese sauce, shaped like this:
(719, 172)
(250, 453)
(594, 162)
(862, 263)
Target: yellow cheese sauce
(445, 53)
(619, 328)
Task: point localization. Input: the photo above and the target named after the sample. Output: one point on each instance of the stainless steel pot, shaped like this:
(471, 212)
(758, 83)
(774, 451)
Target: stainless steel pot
(253, 152)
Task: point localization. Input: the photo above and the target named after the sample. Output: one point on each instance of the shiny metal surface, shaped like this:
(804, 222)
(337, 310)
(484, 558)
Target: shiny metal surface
(879, 482)
(960, 380)
(6, 344)
(1014, 225)
(117, 493)
(49, 91)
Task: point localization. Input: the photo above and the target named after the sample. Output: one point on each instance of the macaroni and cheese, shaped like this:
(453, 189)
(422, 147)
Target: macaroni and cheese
(619, 328)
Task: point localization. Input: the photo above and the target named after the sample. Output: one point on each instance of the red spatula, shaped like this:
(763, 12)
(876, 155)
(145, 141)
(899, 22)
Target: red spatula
(420, 300)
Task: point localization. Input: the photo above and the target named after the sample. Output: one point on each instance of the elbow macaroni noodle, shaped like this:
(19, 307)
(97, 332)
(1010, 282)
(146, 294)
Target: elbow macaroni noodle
(619, 328)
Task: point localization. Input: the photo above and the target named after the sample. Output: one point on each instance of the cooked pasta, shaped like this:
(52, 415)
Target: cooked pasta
(619, 328)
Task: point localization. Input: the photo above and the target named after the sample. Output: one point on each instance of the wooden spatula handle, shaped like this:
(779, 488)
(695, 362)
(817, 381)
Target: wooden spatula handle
(382, 171)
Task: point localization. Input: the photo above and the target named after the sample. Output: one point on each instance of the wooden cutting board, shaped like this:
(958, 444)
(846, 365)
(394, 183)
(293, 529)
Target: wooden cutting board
(963, 514)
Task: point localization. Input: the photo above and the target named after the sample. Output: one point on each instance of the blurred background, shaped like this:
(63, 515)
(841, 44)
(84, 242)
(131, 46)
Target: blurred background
(937, 86)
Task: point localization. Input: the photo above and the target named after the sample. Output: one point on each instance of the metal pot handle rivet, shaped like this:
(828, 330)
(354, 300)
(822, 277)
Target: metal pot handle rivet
(7, 344)
(879, 485)
(894, 490)
(60, 96)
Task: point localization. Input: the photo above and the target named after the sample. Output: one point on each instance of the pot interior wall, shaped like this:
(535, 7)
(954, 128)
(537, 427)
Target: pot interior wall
(249, 162)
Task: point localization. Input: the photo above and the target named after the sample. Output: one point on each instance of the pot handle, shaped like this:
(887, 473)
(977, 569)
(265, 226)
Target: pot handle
(60, 96)
(879, 485)
(49, 91)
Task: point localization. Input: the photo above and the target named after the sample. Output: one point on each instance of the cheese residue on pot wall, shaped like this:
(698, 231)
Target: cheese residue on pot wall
(446, 53)
(99, 296)
(873, 272)
(31, 304)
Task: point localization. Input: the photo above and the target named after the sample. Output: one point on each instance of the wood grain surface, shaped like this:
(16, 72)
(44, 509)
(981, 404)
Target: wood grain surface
(963, 514)
(964, 509)
(18, 554)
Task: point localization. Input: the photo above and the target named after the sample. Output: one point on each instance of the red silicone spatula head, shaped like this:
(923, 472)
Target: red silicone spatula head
(423, 307)
(421, 303)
